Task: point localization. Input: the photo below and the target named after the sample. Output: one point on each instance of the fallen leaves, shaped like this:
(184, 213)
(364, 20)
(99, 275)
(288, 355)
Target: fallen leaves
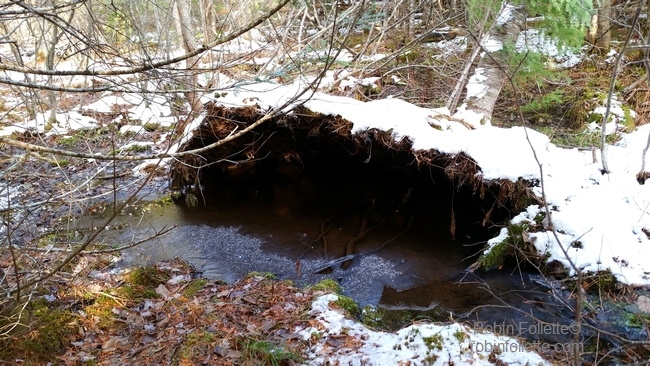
(214, 326)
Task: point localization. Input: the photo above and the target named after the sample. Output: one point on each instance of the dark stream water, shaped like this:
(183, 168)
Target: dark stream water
(267, 220)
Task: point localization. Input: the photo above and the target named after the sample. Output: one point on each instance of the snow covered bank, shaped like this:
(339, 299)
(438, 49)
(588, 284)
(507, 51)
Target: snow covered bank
(607, 214)
(347, 342)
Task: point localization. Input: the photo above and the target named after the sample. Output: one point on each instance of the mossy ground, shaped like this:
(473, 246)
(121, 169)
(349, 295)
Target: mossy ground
(47, 330)
(327, 285)
(561, 106)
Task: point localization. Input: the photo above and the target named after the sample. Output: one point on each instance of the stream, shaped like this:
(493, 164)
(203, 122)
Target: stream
(407, 265)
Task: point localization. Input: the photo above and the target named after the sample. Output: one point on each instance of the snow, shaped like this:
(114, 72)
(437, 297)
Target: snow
(64, 123)
(418, 344)
(607, 214)
(505, 15)
(616, 114)
(492, 45)
(447, 48)
(144, 110)
(475, 86)
(604, 212)
(535, 41)
(600, 219)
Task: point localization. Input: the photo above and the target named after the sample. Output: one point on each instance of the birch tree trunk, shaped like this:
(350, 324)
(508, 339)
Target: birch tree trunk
(484, 86)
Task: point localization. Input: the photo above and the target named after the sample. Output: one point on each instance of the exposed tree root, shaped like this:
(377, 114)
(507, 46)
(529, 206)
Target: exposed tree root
(363, 230)
(312, 139)
(349, 257)
(325, 227)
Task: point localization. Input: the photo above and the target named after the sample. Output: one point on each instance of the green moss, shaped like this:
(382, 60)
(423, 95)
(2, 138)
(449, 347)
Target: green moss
(49, 333)
(544, 104)
(267, 275)
(583, 138)
(500, 252)
(636, 320)
(194, 286)
(68, 141)
(137, 148)
(197, 343)
(434, 342)
(348, 305)
(460, 335)
(604, 280)
(430, 358)
(495, 257)
(628, 120)
(151, 126)
(62, 163)
(165, 200)
(391, 320)
(127, 134)
(149, 276)
(263, 352)
(327, 285)
(137, 293)
(191, 200)
(371, 316)
(150, 294)
(101, 310)
(15, 117)
(579, 114)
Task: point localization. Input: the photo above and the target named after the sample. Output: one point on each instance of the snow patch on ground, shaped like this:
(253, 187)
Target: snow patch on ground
(532, 40)
(64, 123)
(141, 109)
(447, 48)
(416, 344)
(617, 114)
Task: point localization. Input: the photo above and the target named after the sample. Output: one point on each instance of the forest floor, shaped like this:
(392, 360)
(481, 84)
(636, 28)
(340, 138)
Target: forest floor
(164, 314)
(91, 313)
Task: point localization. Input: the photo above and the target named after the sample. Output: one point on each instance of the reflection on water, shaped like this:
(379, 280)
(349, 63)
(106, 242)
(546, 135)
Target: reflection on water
(274, 220)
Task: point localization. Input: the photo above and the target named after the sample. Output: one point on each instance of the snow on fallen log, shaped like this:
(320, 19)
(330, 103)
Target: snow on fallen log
(609, 215)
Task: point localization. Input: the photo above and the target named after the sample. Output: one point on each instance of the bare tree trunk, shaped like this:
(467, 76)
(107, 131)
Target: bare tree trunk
(207, 18)
(603, 35)
(612, 86)
(52, 101)
(189, 43)
(27, 95)
(410, 21)
(485, 85)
